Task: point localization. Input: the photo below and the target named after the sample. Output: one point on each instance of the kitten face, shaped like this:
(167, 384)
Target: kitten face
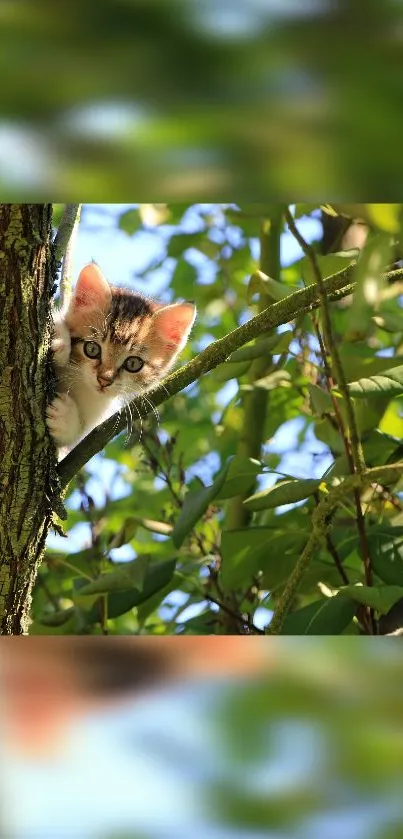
(110, 343)
(122, 343)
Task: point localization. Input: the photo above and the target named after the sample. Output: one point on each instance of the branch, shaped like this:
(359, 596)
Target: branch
(337, 286)
(321, 523)
(332, 550)
(70, 215)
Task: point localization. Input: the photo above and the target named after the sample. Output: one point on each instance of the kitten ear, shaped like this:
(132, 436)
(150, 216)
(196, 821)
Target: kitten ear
(92, 289)
(173, 323)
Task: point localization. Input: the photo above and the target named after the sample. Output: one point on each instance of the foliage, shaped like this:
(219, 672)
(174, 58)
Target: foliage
(190, 99)
(219, 496)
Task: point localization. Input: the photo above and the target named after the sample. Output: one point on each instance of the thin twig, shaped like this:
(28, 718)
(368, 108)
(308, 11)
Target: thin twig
(365, 557)
(356, 447)
(333, 551)
(244, 621)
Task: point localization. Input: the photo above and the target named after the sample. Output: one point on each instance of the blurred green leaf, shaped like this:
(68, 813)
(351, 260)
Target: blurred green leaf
(57, 618)
(130, 222)
(195, 505)
(284, 492)
(329, 616)
(230, 370)
(368, 275)
(128, 575)
(389, 383)
(386, 551)
(157, 577)
(260, 348)
(380, 598)
(328, 265)
(241, 476)
(260, 283)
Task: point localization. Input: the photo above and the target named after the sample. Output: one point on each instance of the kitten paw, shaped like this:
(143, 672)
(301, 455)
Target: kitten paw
(61, 343)
(63, 420)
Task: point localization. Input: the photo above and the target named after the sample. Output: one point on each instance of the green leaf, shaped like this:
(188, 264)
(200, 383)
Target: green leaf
(279, 378)
(325, 432)
(128, 575)
(278, 560)
(241, 551)
(389, 383)
(125, 534)
(58, 618)
(130, 222)
(181, 242)
(389, 321)
(329, 616)
(381, 448)
(158, 576)
(321, 401)
(385, 216)
(386, 551)
(369, 413)
(380, 598)
(184, 279)
(152, 603)
(195, 505)
(231, 370)
(368, 275)
(284, 492)
(261, 348)
(358, 360)
(328, 265)
(249, 551)
(249, 224)
(241, 477)
(260, 283)
(204, 624)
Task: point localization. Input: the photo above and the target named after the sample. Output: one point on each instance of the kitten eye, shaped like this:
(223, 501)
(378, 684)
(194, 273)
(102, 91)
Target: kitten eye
(92, 349)
(133, 364)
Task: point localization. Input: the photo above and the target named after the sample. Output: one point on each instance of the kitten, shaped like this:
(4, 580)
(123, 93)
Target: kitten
(109, 343)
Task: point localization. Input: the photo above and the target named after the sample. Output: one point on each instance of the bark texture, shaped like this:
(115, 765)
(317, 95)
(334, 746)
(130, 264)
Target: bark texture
(26, 456)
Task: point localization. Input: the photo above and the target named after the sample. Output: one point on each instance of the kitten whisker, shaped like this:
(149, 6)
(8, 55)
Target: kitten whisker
(129, 398)
(154, 410)
(161, 384)
(119, 413)
(140, 419)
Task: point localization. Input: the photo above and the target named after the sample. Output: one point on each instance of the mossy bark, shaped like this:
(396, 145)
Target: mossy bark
(26, 457)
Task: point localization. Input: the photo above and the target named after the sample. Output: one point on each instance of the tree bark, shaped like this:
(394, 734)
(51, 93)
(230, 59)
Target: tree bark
(26, 454)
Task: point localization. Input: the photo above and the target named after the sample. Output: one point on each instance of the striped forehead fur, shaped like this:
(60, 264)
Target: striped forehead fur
(127, 312)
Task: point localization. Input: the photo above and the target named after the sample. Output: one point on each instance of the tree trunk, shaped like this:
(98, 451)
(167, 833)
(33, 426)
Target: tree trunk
(26, 456)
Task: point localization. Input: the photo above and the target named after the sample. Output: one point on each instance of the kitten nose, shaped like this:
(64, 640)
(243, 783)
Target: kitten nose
(105, 379)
